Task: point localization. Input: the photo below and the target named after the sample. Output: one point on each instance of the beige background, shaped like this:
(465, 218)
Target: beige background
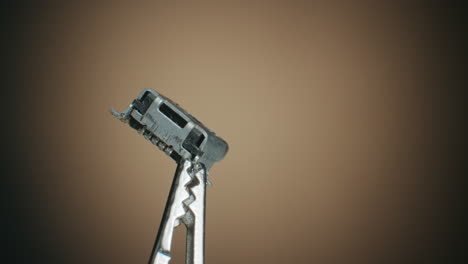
(323, 106)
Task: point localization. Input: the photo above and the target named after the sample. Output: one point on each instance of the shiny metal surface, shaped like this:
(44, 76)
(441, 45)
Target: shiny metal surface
(172, 129)
(186, 204)
(195, 148)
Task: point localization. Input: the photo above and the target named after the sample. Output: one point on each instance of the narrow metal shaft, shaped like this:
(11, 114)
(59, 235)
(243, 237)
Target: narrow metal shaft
(196, 228)
(186, 204)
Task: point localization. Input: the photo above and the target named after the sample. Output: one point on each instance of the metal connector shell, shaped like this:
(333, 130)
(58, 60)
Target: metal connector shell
(173, 129)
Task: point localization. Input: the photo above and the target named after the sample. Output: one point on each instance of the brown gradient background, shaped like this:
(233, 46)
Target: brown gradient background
(333, 130)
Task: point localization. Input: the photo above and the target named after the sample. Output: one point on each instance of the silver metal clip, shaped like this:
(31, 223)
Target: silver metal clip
(195, 148)
(186, 204)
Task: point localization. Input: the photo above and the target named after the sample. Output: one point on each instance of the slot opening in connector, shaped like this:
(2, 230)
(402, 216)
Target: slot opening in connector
(172, 115)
